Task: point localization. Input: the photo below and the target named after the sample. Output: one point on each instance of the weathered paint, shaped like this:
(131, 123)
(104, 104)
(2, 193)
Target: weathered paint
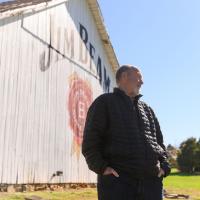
(52, 65)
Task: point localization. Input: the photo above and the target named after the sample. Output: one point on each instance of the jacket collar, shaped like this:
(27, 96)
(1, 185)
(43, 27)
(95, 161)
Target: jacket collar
(122, 93)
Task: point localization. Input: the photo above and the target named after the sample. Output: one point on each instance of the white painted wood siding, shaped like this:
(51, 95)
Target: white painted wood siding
(36, 138)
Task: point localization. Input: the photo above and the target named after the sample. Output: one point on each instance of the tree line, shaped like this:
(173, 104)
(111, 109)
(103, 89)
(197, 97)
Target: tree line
(187, 157)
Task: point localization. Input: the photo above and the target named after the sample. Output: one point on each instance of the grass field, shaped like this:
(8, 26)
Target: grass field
(183, 184)
(72, 194)
(176, 183)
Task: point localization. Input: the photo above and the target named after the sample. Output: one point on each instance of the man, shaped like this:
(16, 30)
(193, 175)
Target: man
(123, 143)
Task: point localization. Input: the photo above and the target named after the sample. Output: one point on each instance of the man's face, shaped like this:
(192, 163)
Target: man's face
(134, 82)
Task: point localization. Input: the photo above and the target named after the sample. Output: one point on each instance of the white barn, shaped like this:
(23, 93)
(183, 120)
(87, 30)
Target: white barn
(55, 58)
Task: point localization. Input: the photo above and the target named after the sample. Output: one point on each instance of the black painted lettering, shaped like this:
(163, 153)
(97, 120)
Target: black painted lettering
(83, 53)
(99, 70)
(69, 43)
(106, 85)
(84, 34)
(92, 55)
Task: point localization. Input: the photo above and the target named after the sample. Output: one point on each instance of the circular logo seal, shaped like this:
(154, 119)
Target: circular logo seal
(80, 98)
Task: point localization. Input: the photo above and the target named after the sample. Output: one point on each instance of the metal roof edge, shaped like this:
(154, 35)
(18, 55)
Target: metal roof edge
(96, 11)
(31, 8)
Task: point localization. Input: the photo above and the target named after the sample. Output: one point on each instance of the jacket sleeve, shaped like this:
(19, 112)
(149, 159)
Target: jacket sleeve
(94, 131)
(164, 159)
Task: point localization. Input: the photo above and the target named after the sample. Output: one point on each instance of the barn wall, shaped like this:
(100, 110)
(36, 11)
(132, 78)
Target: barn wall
(52, 66)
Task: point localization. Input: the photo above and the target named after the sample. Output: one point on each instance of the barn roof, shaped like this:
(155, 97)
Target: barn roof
(17, 7)
(11, 5)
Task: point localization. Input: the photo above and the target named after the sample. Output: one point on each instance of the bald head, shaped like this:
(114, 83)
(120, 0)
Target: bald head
(125, 69)
(129, 79)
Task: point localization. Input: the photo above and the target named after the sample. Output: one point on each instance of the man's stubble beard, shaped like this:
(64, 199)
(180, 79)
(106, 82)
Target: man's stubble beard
(137, 92)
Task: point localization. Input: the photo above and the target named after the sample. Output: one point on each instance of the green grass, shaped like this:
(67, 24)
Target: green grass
(71, 194)
(183, 183)
(177, 182)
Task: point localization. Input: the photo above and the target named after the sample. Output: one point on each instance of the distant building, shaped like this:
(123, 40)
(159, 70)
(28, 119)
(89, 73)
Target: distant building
(55, 58)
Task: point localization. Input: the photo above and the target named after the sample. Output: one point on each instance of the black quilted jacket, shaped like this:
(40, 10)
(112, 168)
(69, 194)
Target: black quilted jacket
(124, 134)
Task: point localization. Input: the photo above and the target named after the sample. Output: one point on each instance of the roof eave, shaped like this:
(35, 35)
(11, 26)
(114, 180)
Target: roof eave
(95, 9)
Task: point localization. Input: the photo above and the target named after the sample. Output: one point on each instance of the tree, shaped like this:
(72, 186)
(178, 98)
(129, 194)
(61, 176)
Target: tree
(188, 157)
(197, 157)
(172, 155)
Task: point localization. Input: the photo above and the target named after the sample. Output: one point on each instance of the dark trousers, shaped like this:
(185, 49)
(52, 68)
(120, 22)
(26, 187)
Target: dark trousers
(124, 187)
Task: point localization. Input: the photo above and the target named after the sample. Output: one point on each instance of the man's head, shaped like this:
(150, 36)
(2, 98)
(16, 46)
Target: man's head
(129, 79)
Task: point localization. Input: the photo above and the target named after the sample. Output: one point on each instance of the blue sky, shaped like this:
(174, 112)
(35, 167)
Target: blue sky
(5, 0)
(163, 39)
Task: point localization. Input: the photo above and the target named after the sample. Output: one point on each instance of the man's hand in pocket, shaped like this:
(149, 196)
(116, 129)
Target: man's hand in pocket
(161, 172)
(109, 171)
